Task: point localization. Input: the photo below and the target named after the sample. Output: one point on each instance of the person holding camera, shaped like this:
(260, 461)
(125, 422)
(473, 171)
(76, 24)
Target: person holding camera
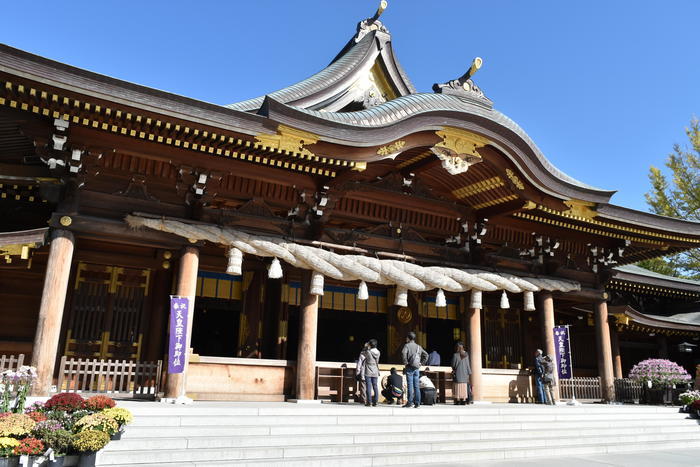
(371, 372)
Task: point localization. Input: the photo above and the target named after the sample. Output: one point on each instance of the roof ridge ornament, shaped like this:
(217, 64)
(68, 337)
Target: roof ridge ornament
(368, 25)
(464, 86)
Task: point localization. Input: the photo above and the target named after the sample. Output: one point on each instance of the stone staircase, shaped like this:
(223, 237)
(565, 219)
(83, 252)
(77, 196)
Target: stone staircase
(261, 433)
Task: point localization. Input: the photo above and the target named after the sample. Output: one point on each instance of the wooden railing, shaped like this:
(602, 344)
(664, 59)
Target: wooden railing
(120, 377)
(586, 389)
(627, 390)
(11, 362)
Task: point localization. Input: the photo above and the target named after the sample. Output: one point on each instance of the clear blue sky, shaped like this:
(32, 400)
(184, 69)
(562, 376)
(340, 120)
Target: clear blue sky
(605, 88)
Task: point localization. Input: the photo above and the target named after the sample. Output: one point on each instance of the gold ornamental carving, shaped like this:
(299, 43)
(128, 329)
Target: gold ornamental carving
(515, 179)
(458, 149)
(391, 149)
(579, 208)
(288, 139)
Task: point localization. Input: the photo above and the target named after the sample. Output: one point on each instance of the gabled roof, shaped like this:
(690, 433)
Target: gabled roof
(366, 62)
(635, 273)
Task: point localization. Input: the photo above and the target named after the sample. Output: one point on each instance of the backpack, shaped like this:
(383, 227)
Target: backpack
(396, 392)
(415, 360)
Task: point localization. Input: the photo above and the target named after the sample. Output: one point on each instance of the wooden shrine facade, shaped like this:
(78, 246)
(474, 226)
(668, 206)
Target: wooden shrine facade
(352, 161)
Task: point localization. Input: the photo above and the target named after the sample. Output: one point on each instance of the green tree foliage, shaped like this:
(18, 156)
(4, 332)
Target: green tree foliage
(678, 196)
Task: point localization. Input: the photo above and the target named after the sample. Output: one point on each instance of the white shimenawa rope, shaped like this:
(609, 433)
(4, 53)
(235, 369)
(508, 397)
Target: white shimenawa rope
(405, 276)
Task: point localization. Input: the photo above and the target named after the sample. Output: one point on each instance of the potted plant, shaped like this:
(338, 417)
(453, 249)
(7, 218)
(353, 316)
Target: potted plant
(30, 447)
(658, 378)
(16, 425)
(7, 454)
(15, 387)
(99, 403)
(65, 402)
(686, 399)
(120, 415)
(98, 422)
(60, 442)
(87, 443)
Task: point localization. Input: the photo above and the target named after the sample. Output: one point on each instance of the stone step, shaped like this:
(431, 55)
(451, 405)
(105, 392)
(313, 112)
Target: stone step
(351, 409)
(218, 440)
(405, 417)
(235, 430)
(397, 450)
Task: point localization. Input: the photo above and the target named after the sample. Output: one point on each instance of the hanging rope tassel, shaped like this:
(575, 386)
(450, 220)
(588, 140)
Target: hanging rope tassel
(529, 301)
(235, 262)
(401, 298)
(316, 283)
(475, 301)
(505, 304)
(440, 300)
(362, 292)
(275, 270)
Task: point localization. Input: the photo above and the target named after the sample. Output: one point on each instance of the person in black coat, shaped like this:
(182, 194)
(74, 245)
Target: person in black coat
(394, 388)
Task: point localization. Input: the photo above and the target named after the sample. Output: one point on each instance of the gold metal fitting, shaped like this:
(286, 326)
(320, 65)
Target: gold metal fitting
(65, 221)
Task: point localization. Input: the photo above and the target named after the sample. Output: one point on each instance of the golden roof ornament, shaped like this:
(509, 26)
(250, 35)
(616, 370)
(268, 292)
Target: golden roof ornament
(464, 85)
(372, 24)
(458, 149)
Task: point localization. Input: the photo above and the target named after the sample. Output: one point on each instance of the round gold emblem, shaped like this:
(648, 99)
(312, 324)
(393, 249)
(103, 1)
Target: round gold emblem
(65, 221)
(404, 315)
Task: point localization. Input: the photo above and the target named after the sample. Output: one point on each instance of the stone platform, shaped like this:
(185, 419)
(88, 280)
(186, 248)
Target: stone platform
(259, 433)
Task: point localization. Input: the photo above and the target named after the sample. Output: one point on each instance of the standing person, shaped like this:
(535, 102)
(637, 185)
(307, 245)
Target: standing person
(413, 357)
(394, 388)
(371, 369)
(461, 369)
(360, 390)
(538, 373)
(549, 379)
(433, 359)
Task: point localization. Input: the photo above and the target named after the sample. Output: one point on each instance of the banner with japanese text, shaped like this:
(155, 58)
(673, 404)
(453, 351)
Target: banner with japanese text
(562, 347)
(179, 309)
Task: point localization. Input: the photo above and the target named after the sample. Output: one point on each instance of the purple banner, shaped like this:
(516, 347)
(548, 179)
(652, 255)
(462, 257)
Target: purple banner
(562, 347)
(179, 308)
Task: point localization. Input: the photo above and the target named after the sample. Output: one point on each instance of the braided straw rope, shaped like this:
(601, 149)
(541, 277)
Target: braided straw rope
(405, 276)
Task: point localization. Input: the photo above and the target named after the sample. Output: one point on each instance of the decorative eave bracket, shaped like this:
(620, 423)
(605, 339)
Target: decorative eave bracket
(458, 149)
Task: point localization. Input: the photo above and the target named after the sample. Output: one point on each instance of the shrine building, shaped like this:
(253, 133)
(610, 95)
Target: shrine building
(304, 222)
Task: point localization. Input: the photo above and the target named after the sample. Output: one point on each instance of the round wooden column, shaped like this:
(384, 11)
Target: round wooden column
(475, 351)
(186, 287)
(602, 337)
(308, 329)
(615, 347)
(547, 314)
(53, 299)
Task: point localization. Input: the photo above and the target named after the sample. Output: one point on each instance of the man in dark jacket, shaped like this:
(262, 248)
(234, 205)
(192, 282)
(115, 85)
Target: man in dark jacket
(394, 388)
(538, 373)
(413, 357)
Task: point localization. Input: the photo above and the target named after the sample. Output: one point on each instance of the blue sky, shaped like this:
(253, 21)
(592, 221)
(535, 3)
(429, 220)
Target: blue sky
(605, 88)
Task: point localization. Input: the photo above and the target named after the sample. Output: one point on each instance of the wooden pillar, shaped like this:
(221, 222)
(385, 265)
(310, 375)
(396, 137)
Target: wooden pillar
(602, 337)
(53, 299)
(547, 320)
(615, 347)
(186, 287)
(662, 342)
(308, 328)
(474, 316)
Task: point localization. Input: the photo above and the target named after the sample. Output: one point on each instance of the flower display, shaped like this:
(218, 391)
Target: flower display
(97, 403)
(689, 397)
(661, 373)
(35, 407)
(65, 401)
(98, 422)
(29, 447)
(16, 384)
(120, 415)
(59, 440)
(90, 440)
(16, 425)
(45, 427)
(7, 446)
(36, 416)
